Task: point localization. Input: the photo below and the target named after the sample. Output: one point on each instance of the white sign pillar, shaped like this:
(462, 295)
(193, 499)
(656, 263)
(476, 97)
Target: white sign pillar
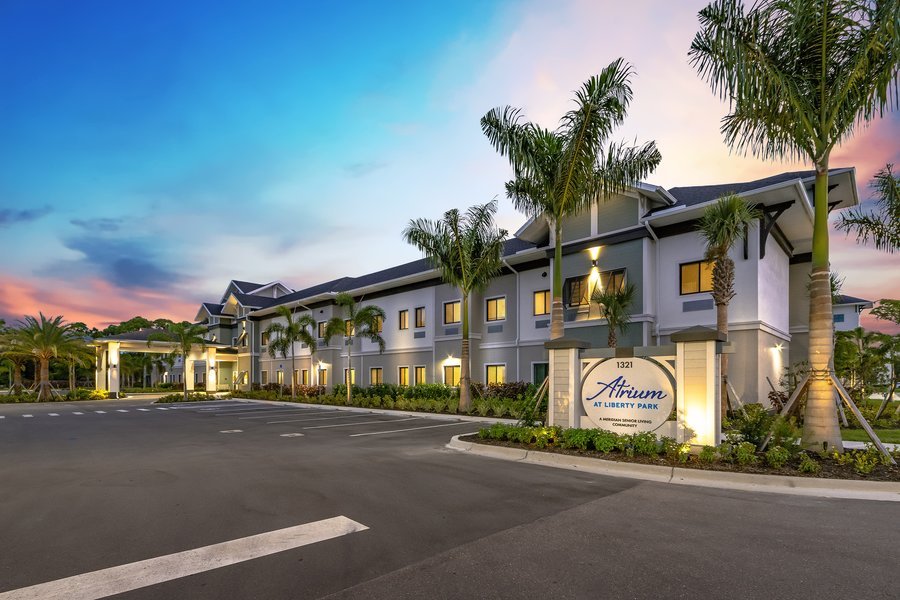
(114, 368)
(189, 372)
(565, 380)
(212, 370)
(698, 376)
(100, 373)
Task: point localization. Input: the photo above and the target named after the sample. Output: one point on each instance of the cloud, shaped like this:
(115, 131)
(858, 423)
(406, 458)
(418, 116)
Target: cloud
(100, 224)
(10, 216)
(361, 169)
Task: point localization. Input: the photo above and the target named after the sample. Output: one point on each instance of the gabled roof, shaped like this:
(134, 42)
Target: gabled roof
(251, 301)
(245, 287)
(213, 308)
(697, 194)
(843, 300)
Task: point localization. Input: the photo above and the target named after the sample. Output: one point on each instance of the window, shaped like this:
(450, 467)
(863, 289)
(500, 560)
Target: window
(420, 317)
(696, 277)
(304, 377)
(403, 375)
(495, 309)
(246, 379)
(264, 377)
(614, 279)
(375, 376)
(352, 376)
(349, 330)
(451, 375)
(542, 303)
(264, 338)
(838, 318)
(539, 372)
(452, 312)
(379, 324)
(576, 291)
(495, 374)
(420, 375)
(234, 341)
(323, 376)
(280, 376)
(296, 379)
(403, 319)
(322, 325)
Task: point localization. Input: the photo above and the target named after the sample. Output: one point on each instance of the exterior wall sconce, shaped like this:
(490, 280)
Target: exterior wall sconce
(113, 366)
(594, 263)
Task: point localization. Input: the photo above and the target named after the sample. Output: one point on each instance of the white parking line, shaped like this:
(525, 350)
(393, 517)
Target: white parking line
(291, 435)
(136, 575)
(144, 409)
(28, 416)
(268, 414)
(161, 408)
(255, 411)
(121, 410)
(52, 414)
(410, 429)
(323, 418)
(77, 413)
(365, 423)
(232, 431)
(100, 412)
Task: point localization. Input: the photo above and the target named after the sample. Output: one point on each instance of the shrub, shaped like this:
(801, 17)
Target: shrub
(864, 462)
(745, 453)
(786, 434)
(523, 435)
(777, 456)
(726, 452)
(842, 458)
(192, 397)
(546, 436)
(752, 424)
(604, 441)
(707, 455)
(576, 438)
(808, 464)
(645, 444)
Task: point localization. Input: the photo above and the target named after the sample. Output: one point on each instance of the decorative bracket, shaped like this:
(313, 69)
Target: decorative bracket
(770, 214)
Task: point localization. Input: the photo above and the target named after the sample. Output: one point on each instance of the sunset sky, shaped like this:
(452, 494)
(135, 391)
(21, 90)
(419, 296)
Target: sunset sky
(152, 151)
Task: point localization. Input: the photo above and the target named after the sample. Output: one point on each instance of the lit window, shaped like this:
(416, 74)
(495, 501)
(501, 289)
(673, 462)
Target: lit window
(420, 375)
(304, 377)
(696, 277)
(352, 376)
(280, 377)
(403, 376)
(264, 377)
(403, 319)
(451, 375)
(576, 289)
(495, 309)
(323, 376)
(612, 280)
(379, 324)
(375, 376)
(542, 303)
(420, 317)
(348, 328)
(296, 379)
(264, 338)
(452, 312)
(495, 374)
(322, 325)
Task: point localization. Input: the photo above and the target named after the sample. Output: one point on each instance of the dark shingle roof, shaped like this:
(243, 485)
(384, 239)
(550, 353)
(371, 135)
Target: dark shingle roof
(213, 308)
(843, 299)
(252, 301)
(136, 336)
(246, 286)
(697, 194)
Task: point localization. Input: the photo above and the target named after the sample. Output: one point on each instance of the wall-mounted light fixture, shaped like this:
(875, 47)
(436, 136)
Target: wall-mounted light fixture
(594, 263)
(113, 366)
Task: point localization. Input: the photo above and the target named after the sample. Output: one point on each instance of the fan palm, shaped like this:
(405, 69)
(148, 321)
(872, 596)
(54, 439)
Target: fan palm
(286, 334)
(800, 76)
(185, 336)
(882, 225)
(358, 321)
(467, 250)
(561, 172)
(44, 339)
(615, 306)
(722, 225)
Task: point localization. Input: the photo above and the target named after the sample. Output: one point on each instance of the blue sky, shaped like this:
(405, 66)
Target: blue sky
(151, 151)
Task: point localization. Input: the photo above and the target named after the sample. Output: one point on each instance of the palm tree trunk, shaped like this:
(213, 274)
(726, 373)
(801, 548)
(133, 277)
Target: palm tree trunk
(349, 377)
(293, 377)
(611, 339)
(556, 307)
(44, 394)
(465, 378)
(184, 370)
(17, 385)
(820, 422)
(722, 327)
(71, 376)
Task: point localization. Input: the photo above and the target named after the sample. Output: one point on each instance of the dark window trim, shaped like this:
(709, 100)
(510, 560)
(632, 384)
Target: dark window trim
(681, 291)
(446, 322)
(487, 301)
(547, 303)
(424, 317)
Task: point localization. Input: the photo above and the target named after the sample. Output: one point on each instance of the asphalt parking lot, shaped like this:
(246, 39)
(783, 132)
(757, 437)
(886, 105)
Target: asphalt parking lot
(122, 498)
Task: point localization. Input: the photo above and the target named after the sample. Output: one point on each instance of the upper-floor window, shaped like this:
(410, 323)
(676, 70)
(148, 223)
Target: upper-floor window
(264, 338)
(542, 303)
(321, 332)
(696, 277)
(452, 312)
(379, 324)
(495, 309)
(838, 318)
(403, 319)
(420, 317)
(577, 290)
(348, 328)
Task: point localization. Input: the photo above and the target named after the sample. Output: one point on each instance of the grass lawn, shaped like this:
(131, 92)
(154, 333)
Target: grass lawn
(888, 436)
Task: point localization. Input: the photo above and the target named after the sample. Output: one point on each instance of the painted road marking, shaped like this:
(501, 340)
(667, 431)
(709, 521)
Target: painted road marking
(121, 410)
(77, 413)
(323, 418)
(410, 429)
(52, 414)
(291, 435)
(2, 417)
(28, 416)
(252, 411)
(232, 431)
(161, 408)
(100, 412)
(136, 575)
(365, 423)
(144, 409)
(268, 414)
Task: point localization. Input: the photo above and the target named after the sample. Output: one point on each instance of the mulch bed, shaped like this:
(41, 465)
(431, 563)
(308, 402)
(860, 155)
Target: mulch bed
(830, 468)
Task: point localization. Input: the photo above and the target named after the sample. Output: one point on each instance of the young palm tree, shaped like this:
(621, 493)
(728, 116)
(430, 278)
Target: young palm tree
(615, 306)
(185, 336)
(16, 361)
(467, 250)
(800, 76)
(882, 225)
(285, 335)
(358, 321)
(561, 172)
(44, 339)
(78, 356)
(722, 225)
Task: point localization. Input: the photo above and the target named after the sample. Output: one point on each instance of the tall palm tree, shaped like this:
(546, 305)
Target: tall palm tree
(560, 172)
(285, 335)
(185, 336)
(358, 321)
(722, 225)
(881, 225)
(615, 306)
(467, 250)
(800, 76)
(44, 339)
(77, 356)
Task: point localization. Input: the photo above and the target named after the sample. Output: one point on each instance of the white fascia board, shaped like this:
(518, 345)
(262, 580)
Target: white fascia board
(269, 285)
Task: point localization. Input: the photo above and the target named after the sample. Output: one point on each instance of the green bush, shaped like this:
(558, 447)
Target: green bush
(708, 455)
(745, 453)
(645, 444)
(752, 424)
(579, 439)
(604, 441)
(808, 464)
(192, 397)
(777, 456)
(864, 462)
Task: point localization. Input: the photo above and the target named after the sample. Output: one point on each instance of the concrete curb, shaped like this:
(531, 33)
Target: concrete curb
(748, 482)
(383, 411)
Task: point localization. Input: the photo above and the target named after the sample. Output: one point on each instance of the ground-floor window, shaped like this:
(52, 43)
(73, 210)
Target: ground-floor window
(323, 376)
(403, 375)
(264, 377)
(375, 376)
(280, 375)
(304, 377)
(451, 375)
(352, 376)
(539, 372)
(246, 378)
(420, 375)
(495, 374)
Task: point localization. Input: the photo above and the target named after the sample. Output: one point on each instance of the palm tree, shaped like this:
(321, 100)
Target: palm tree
(358, 321)
(185, 336)
(800, 76)
(287, 334)
(16, 361)
(558, 173)
(44, 339)
(467, 250)
(615, 306)
(882, 225)
(78, 356)
(721, 225)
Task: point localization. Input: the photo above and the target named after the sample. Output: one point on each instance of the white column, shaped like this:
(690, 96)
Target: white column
(565, 380)
(114, 368)
(189, 372)
(100, 373)
(212, 370)
(698, 381)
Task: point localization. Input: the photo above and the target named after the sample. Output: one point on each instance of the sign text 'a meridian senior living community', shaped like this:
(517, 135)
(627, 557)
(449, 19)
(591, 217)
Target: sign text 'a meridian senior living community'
(631, 395)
